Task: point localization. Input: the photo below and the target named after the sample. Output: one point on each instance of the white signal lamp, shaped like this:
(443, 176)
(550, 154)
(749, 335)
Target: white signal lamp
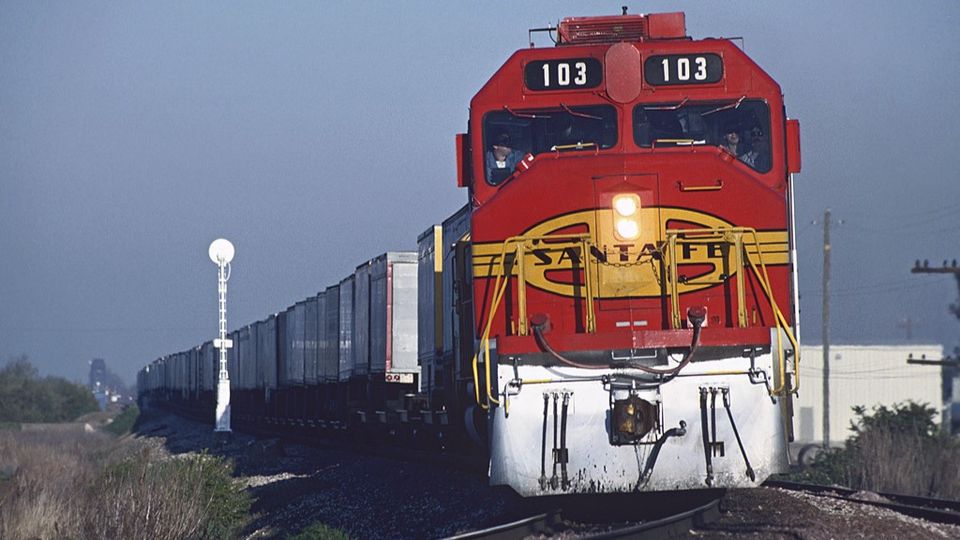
(626, 204)
(627, 228)
(221, 251)
(626, 209)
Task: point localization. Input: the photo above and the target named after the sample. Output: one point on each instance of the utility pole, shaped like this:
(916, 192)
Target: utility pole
(945, 269)
(949, 364)
(825, 331)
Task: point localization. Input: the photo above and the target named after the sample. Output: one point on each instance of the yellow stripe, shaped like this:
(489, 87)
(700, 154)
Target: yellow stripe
(437, 248)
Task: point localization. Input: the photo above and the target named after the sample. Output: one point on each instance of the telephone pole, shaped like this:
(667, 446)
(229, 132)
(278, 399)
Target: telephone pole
(945, 269)
(825, 331)
(949, 364)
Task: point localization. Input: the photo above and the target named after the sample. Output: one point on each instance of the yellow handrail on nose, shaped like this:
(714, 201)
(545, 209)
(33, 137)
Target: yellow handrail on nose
(731, 235)
(520, 245)
(734, 236)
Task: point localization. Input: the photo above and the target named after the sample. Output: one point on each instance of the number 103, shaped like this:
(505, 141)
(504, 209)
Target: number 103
(564, 72)
(683, 69)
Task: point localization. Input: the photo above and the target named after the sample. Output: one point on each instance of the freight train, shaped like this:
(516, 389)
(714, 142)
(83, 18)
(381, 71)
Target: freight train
(613, 310)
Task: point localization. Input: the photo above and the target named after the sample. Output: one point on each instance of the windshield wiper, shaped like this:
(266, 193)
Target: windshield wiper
(524, 115)
(727, 107)
(667, 107)
(572, 112)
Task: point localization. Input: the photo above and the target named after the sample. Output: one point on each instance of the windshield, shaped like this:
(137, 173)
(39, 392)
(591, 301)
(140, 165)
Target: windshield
(508, 135)
(741, 127)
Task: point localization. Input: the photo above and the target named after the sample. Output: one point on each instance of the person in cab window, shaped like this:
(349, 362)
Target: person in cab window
(501, 159)
(731, 141)
(757, 157)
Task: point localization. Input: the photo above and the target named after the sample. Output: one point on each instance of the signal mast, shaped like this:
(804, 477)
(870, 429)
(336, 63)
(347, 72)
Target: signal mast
(221, 253)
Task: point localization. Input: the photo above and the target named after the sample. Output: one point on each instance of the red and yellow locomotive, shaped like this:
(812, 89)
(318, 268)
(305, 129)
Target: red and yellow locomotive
(632, 261)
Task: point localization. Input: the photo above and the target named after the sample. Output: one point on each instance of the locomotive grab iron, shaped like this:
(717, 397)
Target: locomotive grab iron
(624, 270)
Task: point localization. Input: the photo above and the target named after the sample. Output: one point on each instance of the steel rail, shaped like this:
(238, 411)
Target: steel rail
(551, 524)
(930, 509)
(540, 524)
(668, 527)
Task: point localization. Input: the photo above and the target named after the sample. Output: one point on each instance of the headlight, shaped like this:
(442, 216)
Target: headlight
(626, 208)
(626, 204)
(627, 228)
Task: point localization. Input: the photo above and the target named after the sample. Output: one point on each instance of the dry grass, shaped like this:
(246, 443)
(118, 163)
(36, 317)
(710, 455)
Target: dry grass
(72, 485)
(43, 474)
(896, 449)
(892, 462)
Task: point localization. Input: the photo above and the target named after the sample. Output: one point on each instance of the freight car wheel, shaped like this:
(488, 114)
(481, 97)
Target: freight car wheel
(471, 419)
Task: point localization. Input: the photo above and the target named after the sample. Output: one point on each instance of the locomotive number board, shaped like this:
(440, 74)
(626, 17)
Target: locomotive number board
(683, 69)
(566, 74)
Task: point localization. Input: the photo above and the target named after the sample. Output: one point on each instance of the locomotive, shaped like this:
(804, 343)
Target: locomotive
(614, 309)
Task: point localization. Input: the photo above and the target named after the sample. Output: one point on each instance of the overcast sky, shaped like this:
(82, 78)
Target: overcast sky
(316, 135)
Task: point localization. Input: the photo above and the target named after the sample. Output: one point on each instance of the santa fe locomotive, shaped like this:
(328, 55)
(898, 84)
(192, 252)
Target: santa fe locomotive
(613, 310)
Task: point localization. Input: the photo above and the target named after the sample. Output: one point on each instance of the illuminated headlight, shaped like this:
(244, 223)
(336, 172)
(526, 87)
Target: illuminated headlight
(627, 228)
(626, 205)
(626, 208)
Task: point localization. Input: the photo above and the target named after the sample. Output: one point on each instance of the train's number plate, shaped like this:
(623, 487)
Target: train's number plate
(567, 74)
(404, 378)
(683, 69)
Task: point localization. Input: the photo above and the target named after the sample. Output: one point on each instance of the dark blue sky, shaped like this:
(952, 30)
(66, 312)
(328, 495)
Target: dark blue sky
(317, 135)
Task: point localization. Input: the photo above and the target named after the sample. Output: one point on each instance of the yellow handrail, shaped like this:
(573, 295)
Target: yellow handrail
(736, 234)
(781, 323)
(500, 287)
(591, 322)
(741, 292)
(521, 290)
(732, 235)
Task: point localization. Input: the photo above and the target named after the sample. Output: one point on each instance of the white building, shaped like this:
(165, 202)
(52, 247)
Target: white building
(865, 375)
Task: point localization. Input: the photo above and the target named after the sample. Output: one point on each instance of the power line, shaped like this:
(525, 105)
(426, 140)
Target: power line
(857, 371)
(861, 378)
(897, 216)
(881, 287)
(904, 229)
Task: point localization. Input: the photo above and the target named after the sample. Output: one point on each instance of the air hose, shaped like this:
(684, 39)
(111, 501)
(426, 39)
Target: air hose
(696, 316)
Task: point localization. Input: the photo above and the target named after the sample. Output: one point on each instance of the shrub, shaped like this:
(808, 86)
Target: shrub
(194, 496)
(91, 485)
(895, 449)
(45, 474)
(26, 397)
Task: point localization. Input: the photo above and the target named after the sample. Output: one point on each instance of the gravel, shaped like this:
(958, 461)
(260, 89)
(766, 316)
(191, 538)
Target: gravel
(362, 495)
(781, 514)
(376, 497)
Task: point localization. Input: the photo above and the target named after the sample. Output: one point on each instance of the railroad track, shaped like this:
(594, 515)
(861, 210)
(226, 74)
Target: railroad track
(937, 510)
(552, 523)
(547, 524)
